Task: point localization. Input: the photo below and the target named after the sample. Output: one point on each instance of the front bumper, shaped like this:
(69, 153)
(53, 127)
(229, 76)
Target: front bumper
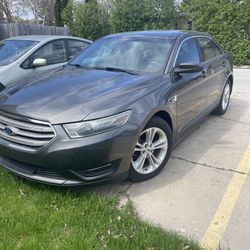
(69, 162)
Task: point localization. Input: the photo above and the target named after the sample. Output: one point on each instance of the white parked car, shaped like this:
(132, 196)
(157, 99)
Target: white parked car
(26, 56)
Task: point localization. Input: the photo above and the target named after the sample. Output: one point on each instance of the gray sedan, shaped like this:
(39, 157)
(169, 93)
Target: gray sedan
(116, 110)
(27, 56)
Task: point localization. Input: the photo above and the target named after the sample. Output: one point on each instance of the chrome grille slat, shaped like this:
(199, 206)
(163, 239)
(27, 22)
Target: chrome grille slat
(22, 140)
(30, 134)
(24, 125)
(27, 133)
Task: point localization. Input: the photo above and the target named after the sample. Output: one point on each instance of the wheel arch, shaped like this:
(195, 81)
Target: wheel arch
(162, 113)
(165, 116)
(230, 80)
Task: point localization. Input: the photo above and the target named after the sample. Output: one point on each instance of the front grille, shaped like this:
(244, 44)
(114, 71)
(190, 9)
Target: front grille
(24, 132)
(32, 172)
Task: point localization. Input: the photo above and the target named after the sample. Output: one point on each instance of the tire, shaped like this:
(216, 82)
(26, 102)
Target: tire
(224, 101)
(147, 161)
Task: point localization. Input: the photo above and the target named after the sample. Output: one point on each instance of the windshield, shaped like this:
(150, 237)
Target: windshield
(134, 54)
(11, 50)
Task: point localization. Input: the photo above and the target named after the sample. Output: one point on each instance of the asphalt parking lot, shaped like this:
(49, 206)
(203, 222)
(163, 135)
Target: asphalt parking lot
(204, 191)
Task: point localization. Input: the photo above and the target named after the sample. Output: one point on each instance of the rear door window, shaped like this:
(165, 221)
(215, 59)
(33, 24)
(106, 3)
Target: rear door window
(209, 49)
(75, 47)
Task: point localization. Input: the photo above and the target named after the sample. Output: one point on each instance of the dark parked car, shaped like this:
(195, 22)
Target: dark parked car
(116, 110)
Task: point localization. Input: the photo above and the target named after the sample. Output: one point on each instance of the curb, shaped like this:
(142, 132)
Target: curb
(241, 66)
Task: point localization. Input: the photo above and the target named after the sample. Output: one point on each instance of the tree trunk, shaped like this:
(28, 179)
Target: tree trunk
(1, 16)
(5, 8)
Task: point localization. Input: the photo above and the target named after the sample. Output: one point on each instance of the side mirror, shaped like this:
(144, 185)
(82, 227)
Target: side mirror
(188, 68)
(39, 62)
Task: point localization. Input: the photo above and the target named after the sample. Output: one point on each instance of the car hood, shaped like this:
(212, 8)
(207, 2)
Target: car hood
(71, 94)
(4, 73)
(3, 68)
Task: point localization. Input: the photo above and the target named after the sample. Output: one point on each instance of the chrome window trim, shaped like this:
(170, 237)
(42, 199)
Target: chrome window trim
(181, 43)
(179, 48)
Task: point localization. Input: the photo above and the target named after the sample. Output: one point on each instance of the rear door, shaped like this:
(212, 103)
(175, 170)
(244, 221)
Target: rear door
(191, 88)
(214, 69)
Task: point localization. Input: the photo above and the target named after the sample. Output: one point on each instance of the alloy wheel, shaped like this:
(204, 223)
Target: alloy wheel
(150, 151)
(226, 97)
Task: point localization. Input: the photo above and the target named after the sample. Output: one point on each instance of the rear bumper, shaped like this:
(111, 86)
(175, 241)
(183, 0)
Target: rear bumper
(70, 162)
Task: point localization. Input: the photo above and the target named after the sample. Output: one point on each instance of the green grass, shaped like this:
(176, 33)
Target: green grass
(34, 216)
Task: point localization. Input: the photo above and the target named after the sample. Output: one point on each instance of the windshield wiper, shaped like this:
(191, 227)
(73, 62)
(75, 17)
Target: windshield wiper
(78, 65)
(104, 68)
(114, 69)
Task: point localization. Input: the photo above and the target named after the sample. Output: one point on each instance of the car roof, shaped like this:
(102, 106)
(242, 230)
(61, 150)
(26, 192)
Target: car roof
(173, 34)
(41, 38)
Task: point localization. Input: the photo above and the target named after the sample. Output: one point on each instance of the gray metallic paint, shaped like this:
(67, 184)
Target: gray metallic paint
(72, 94)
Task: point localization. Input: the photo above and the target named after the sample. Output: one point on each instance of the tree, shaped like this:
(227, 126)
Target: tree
(161, 14)
(42, 10)
(46, 13)
(227, 20)
(13, 10)
(129, 15)
(89, 20)
(1, 16)
(60, 5)
(5, 7)
(16, 11)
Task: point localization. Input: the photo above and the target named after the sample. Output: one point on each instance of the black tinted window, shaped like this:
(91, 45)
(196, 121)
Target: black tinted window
(209, 49)
(75, 47)
(54, 52)
(188, 53)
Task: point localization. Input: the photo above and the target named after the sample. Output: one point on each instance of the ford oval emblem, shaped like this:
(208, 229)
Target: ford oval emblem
(9, 131)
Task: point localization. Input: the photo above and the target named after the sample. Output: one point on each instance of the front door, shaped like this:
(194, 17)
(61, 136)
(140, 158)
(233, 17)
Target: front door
(55, 54)
(191, 88)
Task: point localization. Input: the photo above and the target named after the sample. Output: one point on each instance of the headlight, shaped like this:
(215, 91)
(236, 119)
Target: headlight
(92, 127)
